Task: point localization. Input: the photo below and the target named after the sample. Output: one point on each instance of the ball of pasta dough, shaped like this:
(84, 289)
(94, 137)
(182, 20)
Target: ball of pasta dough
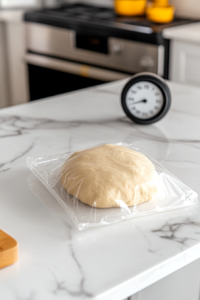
(109, 176)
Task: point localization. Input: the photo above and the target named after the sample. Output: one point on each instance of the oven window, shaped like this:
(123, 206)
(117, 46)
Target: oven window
(44, 82)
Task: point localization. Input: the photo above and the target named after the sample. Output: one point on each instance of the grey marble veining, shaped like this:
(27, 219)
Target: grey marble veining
(55, 260)
(170, 230)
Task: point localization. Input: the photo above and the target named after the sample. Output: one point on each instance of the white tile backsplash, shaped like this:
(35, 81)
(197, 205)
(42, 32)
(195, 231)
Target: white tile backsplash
(18, 3)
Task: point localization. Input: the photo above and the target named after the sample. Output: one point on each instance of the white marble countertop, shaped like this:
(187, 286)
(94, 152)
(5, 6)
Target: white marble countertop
(189, 32)
(113, 262)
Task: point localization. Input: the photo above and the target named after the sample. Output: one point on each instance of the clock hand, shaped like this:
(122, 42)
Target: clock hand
(144, 101)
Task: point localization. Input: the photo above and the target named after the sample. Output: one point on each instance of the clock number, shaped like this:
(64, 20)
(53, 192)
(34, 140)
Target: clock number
(157, 94)
(137, 111)
(134, 92)
(156, 107)
(131, 99)
(158, 101)
(139, 87)
(146, 86)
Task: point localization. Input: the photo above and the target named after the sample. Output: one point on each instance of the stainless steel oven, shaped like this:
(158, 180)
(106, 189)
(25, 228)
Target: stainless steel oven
(79, 45)
(61, 60)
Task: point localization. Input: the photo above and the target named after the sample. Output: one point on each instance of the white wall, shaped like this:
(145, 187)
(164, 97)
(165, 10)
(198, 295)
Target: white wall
(187, 8)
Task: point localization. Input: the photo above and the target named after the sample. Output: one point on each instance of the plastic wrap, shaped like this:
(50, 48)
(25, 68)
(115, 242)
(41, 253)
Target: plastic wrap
(170, 193)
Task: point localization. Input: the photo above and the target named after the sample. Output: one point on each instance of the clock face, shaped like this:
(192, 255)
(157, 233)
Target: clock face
(144, 100)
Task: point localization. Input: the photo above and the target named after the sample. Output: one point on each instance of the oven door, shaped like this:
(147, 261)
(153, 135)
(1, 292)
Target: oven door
(51, 76)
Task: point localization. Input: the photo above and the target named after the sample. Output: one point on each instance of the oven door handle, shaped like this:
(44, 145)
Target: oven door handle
(74, 68)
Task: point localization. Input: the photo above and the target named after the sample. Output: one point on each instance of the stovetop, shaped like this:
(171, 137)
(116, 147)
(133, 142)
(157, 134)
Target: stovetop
(95, 17)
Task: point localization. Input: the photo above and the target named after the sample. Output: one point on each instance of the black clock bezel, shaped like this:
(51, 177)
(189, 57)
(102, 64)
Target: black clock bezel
(160, 83)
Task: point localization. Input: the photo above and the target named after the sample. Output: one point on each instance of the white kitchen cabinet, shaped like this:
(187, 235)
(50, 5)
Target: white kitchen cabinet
(13, 72)
(4, 90)
(17, 69)
(180, 285)
(185, 62)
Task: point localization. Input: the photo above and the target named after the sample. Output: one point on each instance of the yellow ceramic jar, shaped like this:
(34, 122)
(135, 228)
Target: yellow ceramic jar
(160, 14)
(161, 3)
(130, 7)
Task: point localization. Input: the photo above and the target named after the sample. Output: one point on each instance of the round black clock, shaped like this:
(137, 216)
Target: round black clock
(146, 98)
